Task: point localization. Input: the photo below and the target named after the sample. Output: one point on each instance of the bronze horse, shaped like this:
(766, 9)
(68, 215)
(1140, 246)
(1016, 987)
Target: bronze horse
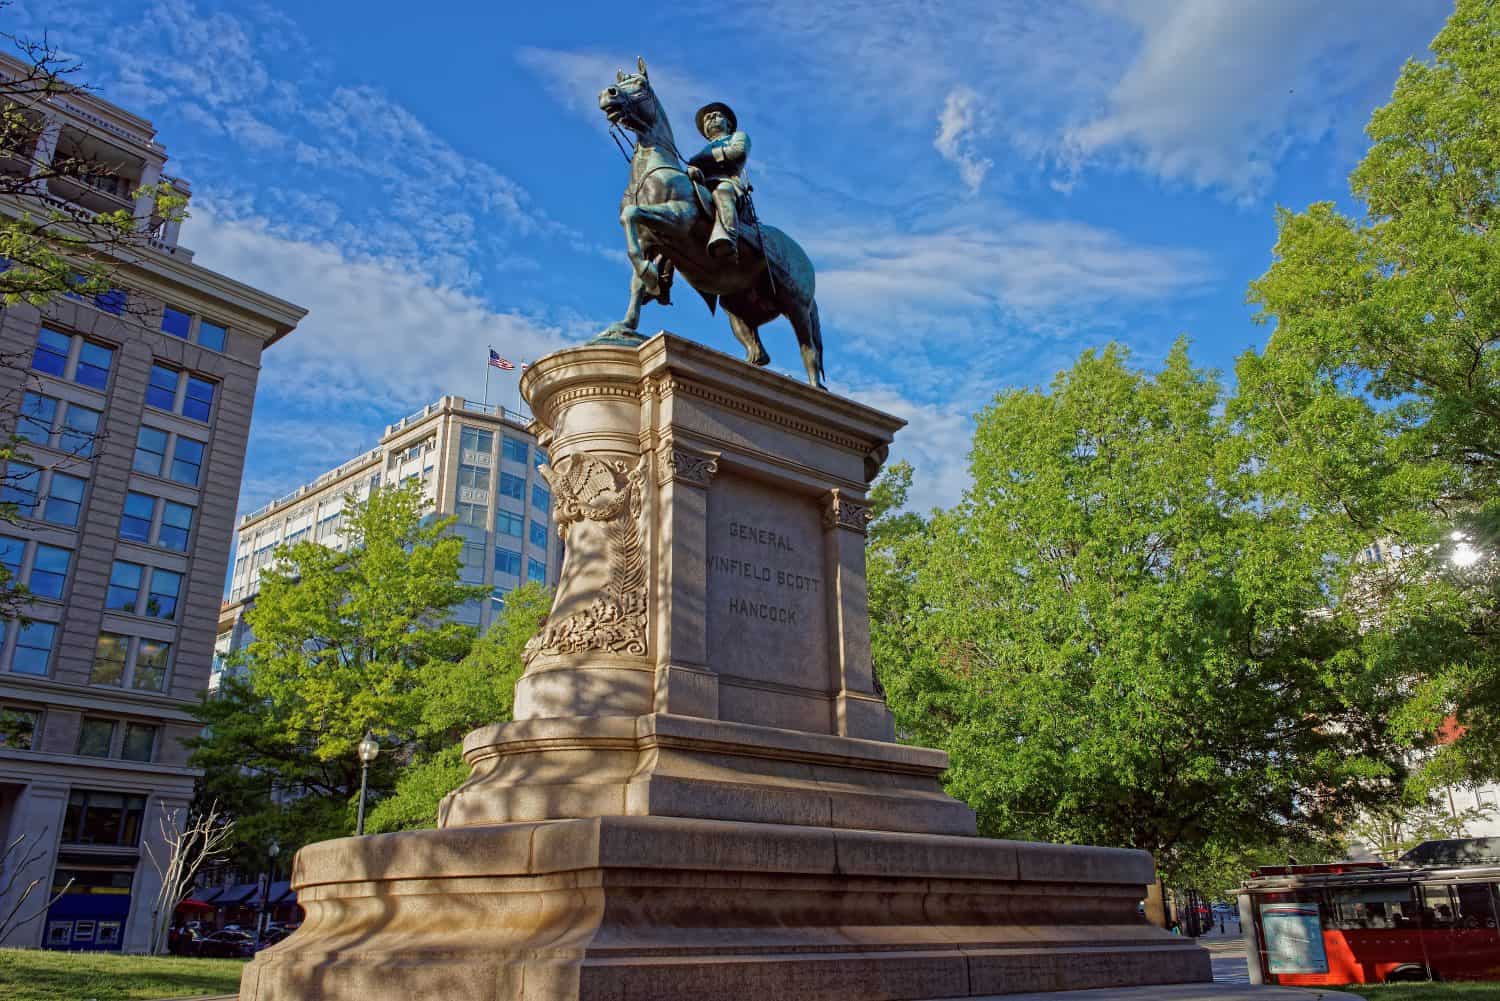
(667, 218)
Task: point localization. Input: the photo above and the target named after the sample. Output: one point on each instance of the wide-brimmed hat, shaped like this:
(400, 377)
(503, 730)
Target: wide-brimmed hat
(722, 109)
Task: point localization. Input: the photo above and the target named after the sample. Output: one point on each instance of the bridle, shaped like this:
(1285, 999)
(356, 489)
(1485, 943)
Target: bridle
(620, 133)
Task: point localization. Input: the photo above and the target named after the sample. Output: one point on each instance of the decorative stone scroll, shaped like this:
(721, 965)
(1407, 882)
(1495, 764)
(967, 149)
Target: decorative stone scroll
(589, 488)
(674, 462)
(841, 512)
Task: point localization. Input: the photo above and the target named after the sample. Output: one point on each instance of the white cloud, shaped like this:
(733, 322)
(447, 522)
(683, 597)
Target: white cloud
(1047, 275)
(1220, 91)
(959, 124)
(379, 342)
(936, 441)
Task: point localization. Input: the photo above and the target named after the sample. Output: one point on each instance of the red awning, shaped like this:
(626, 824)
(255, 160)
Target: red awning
(194, 905)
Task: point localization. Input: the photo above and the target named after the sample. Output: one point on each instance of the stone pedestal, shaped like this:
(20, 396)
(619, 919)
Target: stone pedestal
(701, 796)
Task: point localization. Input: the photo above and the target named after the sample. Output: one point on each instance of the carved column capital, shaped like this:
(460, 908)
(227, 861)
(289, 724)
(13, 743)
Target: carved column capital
(841, 512)
(688, 465)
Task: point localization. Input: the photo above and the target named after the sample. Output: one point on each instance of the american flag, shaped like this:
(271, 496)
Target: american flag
(525, 365)
(500, 363)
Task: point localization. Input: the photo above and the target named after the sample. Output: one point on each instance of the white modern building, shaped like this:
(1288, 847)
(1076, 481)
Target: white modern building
(477, 462)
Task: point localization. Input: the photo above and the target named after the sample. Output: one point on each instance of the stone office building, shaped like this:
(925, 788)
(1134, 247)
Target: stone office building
(477, 462)
(133, 409)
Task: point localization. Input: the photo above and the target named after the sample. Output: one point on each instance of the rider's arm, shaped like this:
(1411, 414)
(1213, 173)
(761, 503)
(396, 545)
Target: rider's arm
(733, 150)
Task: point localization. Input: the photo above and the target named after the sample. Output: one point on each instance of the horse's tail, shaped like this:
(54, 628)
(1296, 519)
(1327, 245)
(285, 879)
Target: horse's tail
(815, 333)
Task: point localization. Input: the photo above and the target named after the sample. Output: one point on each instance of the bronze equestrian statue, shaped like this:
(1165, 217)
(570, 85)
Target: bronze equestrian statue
(695, 219)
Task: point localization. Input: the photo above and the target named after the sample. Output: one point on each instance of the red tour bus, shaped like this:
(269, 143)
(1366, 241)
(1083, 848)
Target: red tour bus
(1369, 922)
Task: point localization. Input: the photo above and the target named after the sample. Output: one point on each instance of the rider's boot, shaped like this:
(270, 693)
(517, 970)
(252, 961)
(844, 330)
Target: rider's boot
(722, 243)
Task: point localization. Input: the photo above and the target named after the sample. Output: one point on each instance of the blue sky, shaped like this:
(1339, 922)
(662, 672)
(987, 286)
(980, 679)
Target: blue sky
(986, 188)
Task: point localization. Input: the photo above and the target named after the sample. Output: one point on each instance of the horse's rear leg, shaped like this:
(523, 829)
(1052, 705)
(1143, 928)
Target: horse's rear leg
(804, 320)
(755, 351)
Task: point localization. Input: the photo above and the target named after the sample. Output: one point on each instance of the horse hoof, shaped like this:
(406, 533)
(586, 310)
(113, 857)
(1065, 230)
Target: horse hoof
(651, 280)
(760, 359)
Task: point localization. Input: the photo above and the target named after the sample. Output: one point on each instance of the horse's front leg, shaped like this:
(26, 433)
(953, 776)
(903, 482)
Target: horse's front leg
(638, 296)
(645, 270)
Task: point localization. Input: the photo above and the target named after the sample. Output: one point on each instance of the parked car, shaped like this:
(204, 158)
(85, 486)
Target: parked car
(227, 944)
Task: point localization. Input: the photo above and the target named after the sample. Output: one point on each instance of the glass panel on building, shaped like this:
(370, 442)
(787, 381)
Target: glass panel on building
(509, 523)
(540, 498)
(109, 659)
(151, 666)
(150, 450)
(124, 586)
(161, 388)
(18, 728)
(11, 551)
(176, 322)
(176, 526)
(51, 355)
(64, 500)
(198, 403)
(34, 422)
(33, 648)
(94, 361)
(95, 737)
(536, 570)
(516, 449)
(135, 523)
(512, 486)
(20, 486)
(79, 431)
(187, 461)
(507, 561)
(49, 572)
(476, 440)
(104, 818)
(166, 585)
(539, 534)
(139, 743)
(211, 335)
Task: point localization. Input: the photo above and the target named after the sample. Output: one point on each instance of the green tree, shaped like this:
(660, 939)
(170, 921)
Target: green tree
(344, 644)
(1376, 403)
(478, 690)
(1119, 641)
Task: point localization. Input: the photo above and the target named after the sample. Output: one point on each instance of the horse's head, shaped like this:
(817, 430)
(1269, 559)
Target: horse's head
(631, 103)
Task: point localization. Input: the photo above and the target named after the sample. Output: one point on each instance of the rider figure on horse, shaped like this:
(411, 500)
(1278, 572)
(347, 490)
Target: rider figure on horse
(718, 167)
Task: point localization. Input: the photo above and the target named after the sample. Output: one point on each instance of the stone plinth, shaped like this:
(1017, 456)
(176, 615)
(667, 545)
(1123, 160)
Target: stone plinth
(701, 796)
(634, 908)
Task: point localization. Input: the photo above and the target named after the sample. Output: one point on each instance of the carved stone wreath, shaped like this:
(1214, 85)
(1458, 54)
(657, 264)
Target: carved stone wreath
(840, 512)
(589, 488)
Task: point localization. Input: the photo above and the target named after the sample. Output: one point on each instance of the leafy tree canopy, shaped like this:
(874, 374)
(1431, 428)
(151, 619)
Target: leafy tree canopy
(1119, 640)
(1376, 402)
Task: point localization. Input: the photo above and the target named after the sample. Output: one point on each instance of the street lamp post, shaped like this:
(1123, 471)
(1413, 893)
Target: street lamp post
(367, 751)
(272, 850)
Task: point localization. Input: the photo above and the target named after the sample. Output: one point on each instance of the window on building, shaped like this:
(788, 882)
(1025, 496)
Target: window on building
(49, 572)
(161, 601)
(516, 449)
(176, 526)
(176, 322)
(110, 653)
(509, 523)
(540, 498)
(64, 500)
(103, 818)
(135, 522)
(513, 486)
(51, 355)
(95, 737)
(198, 401)
(18, 728)
(536, 570)
(33, 648)
(507, 561)
(541, 457)
(161, 388)
(35, 421)
(80, 429)
(124, 586)
(471, 514)
(150, 450)
(151, 666)
(474, 477)
(11, 552)
(139, 743)
(20, 486)
(497, 597)
(539, 534)
(476, 440)
(94, 362)
(212, 335)
(187, 461)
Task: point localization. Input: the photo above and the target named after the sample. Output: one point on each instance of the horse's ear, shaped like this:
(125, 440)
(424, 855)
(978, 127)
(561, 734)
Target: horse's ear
(641, 65)
(619, 75)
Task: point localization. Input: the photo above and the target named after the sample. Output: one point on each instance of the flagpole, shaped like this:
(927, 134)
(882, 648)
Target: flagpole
(487, 367)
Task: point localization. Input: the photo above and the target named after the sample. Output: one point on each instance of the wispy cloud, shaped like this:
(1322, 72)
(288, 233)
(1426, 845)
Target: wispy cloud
(959, 125)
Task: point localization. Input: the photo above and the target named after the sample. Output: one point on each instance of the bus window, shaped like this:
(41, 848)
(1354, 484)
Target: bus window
(1371, 907)
(1476, 905)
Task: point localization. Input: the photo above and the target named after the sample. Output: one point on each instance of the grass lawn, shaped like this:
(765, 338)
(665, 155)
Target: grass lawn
(1424, 992)
(38, 975)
